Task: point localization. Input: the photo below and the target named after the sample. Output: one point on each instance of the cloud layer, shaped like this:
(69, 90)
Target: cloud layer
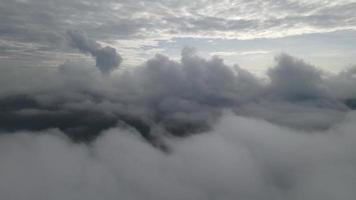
(242, 158)
(32, 28)
(170, 97)
(190, 129)
(193, 127)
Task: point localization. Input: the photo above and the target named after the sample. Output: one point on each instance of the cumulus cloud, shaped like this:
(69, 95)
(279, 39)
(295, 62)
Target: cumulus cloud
(343, 85)
(190, 129)
(176, 98)
(295, 80)
(106, 57)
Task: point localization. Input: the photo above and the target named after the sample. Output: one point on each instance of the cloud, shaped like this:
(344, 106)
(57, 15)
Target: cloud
(294, 79)
(342, 85)
(242, 158)
(106, 57)
(233, 53)
(167, 97)
(38, 24)
(189, 129)
(194, 128)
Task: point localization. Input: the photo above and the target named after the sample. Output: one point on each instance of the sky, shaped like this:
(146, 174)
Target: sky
(247, 33)
(181, 100)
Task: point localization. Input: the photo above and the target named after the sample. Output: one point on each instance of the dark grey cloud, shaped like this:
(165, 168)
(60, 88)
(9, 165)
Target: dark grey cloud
(342, 85)
(176, 98)
(295, 80)
(106, 57)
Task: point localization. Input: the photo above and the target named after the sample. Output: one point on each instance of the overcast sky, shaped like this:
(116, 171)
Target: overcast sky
(247, 32)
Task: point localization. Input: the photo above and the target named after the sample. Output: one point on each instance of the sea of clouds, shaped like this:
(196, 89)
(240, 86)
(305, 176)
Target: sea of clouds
(189, 129)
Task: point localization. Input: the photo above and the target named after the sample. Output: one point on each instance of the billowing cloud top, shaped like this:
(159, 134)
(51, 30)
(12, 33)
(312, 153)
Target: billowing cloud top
(193, 129)
(178, 98)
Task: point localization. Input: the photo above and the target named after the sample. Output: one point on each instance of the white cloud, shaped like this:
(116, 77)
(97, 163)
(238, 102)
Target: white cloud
(242, 53)
(241, 158)
(147, 21)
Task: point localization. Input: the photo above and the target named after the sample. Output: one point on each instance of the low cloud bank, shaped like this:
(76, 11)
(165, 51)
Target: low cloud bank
(166, 97)
(241, 158)
(193, 129)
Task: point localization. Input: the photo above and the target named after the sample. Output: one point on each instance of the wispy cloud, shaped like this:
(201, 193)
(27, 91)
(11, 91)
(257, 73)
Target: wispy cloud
(242, 53)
